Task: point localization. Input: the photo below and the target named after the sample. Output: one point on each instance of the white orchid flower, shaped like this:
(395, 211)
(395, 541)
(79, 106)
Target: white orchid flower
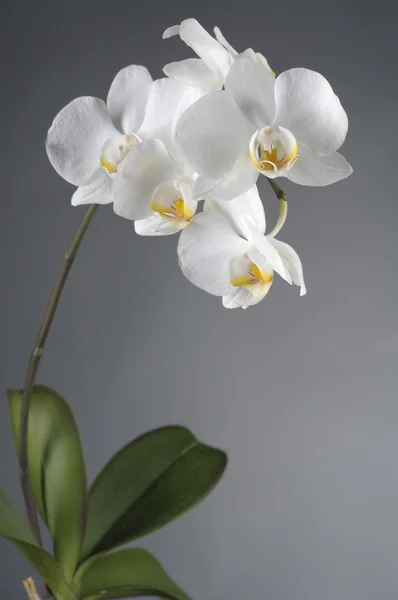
(156, 191)
(89, 140)
(152, 190)
(290, 126)
(232, 257)
(216, 56)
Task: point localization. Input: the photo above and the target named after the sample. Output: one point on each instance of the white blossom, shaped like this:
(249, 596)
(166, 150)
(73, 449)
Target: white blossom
(291, 126)
(216, 55)
(226, 253)
(90, 139)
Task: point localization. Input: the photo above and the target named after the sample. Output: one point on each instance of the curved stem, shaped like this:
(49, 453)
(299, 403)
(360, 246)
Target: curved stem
(280, 194)
(33, 365)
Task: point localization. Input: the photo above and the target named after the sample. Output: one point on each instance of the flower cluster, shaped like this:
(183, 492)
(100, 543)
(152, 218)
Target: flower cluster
(183, 154)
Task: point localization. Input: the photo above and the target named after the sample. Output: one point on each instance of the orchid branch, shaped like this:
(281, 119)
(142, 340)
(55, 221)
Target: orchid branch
(33, 366)
(280, 194)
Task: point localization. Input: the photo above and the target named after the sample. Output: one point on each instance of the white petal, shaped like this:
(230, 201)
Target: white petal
(205, 250)
(191, 205)
(213, 134)
(292, 262)
(269, 252)
(307, 105)
(220, 38)
(127, 98)
(238, 181)
(247, 207)
(146, 166)
(252, 87)
(239, 298)
(168, 99)
(75, 139)
(97, 192)
(170, 31)
(318, 170)
(194, 71)
(256, 57)
(188, 96)
(156, 226)
(216, 57)
(243, 298)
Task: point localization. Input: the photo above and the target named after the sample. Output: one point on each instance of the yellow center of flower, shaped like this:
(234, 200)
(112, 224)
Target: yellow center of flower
(271, 158)
(273, 150)
(177, 210)
(251, 280)
(259, 276)
(252, 275)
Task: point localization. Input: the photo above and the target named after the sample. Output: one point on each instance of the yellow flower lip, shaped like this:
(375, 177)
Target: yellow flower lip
(260, 276)
(254, 275)
(248, 277)
(178, 210)
(172, 205)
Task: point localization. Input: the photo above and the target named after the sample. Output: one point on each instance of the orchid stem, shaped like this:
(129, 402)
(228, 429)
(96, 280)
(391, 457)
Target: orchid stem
(30, 589)
(33, 366)
(280, 194)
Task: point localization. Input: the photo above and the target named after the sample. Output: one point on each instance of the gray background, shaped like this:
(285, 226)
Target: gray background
(301, 392)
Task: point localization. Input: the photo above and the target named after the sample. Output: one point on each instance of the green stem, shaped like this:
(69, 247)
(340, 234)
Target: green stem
(280, 194)
(33, 366)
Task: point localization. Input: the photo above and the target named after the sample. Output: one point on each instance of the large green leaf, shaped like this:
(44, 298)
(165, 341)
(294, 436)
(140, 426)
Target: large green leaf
(57, 470)
(14, 528)
(149, 483)
(125, 574)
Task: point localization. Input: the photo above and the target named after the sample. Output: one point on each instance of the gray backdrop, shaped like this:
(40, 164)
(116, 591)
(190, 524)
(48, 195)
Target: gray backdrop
(301, 392)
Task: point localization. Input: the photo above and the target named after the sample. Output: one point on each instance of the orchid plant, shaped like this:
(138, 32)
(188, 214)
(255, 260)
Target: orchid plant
(181, 154)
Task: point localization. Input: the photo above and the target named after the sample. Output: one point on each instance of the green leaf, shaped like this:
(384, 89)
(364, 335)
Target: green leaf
(150, 482)
(14, 528)
(125, 574)
(57, 470)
